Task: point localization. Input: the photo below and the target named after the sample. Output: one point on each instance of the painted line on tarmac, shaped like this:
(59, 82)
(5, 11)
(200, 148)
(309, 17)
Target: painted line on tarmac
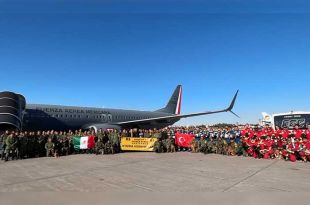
(143, 187)
(250, 176)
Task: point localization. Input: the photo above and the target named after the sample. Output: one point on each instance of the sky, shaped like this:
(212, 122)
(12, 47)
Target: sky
(132, 54)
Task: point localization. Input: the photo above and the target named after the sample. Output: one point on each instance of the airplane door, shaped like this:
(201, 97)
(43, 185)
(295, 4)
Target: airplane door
(106, 118)
(109, 117)
(103, 118)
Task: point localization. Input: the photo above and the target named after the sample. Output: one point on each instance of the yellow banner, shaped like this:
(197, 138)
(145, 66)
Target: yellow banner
(137, 144)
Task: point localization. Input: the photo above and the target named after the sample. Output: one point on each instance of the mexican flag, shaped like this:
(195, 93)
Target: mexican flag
(85, 142)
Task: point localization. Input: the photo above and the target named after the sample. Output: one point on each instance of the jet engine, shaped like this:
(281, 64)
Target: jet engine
(103, 126)
(12, 107)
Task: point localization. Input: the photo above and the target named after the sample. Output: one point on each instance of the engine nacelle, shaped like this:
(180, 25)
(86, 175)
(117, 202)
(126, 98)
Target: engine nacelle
(12, 106)
(104, 126)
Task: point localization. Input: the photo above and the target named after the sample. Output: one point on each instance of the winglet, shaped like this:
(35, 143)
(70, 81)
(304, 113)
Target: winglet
(231, 106)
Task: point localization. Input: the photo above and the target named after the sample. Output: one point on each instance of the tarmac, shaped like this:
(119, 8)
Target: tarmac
(151, 172)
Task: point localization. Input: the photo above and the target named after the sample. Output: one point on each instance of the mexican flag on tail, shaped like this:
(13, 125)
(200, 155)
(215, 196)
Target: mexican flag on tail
(85, 142)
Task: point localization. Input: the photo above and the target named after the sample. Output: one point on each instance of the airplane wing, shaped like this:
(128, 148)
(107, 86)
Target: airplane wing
(170, 118)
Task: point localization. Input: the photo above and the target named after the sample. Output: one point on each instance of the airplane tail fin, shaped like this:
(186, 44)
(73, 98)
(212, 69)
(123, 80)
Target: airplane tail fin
(174, 104)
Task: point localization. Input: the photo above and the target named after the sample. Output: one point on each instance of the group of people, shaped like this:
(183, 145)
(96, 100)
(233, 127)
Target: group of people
(22, 145)
(257, 142)
(284, 144)
(250, 141)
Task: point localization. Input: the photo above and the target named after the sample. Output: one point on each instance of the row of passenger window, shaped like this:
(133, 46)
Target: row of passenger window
(89, 116)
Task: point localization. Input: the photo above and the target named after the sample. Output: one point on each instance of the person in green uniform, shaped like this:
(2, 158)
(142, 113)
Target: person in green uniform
(70, 142)
(108, 148)
(41, 143)
(99, 135)
(2, 143)
(201, 143)
(170, 144)
(99, 147)
(158, 146)
(146, 134)
(65, 142)
(22, 145)
(10, 143)
(194, 145)
(114, 139)
(210, 145)
(49, 147)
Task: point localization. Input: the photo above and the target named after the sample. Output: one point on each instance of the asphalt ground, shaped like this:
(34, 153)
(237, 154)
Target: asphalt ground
(151, 172)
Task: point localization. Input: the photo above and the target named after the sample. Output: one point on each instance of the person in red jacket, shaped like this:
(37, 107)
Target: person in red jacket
(284, 151)
(291, 149)
(261, 147)
(252, 143)
(308, 133)
(269, 148)
(302, 148)
(278, 131)
(267, 131)
(247, 130)
(307, 150)
(297, 132)
(285, 133)
(277, 147)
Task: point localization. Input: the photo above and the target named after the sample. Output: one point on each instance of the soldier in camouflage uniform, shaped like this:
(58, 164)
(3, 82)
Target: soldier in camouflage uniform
(66, 144)
(157, 134)
(209, 146)
(158, 146)
(124, 133)
(41, 137)
(99, 135)
(170, 144)
(99, 146)
(36, 145)
(10, 146)
(49, 147)
(224, 147)
(219, 146)
(116, 141)
(25, 144)
(57, 144)
(70, 141)
(201, 143)
(164, 145)
(242, 148)
(2, 144)
(146, 133)
(194, 145)
(17, 145)
(204, 147)
(30, 145)
(109, 144)
(108, 148)
(231, 148)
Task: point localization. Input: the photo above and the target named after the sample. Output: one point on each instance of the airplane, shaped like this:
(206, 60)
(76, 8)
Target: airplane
(17, 114)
